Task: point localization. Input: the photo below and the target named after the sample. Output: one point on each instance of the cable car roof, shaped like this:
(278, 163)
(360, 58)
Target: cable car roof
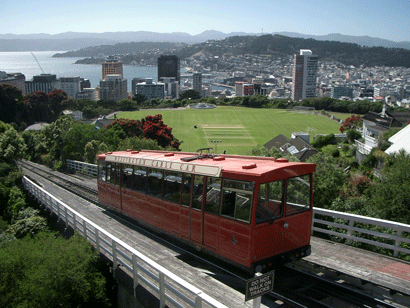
(206, 164)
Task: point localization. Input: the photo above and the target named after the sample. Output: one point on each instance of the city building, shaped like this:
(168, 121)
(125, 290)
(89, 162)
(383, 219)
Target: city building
(112, 66)
(44, 82)
(248, 89)
(85, 83)
(151, 89)
(171, 87)
(305, 66)
(239, 88)
(197, 82)
(134, 83)
(168, 66)
(113, 87)
(89, 93)
(70, 85)
(14, 79)
(338, 92)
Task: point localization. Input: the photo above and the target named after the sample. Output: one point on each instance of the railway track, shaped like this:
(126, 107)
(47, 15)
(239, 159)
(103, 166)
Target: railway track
(72, 185)
(293, 287)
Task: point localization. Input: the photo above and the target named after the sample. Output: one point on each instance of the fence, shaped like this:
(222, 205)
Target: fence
(366, 230)
(170, 288)
(79, 166)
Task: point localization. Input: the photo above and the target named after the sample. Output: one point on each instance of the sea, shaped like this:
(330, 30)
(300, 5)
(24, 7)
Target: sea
(43, 63)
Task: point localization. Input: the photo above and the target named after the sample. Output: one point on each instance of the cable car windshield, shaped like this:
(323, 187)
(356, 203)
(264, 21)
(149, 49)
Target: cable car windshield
(273, 204)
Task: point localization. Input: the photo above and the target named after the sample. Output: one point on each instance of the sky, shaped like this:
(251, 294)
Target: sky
(387, 19)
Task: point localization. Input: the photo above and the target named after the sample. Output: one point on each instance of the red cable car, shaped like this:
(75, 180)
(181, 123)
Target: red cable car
(253, 212)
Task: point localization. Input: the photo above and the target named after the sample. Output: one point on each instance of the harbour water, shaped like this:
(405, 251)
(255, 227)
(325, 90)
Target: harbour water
(25, 63)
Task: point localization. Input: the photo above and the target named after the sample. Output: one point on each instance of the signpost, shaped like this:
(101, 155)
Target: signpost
(258, 286)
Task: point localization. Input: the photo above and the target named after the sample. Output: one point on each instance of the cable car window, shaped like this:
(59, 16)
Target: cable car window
(197, 191)
(237, 199)
(114, 174)
(154, 187)
(298, 194)
(213, 193)
(108, 171)
(186, 189)
(270, 201)
(140, 179)
(172, 186)
(127, 175)
(102, 170)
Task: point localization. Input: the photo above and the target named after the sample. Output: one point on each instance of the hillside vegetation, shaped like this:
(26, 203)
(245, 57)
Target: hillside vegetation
(274, 45)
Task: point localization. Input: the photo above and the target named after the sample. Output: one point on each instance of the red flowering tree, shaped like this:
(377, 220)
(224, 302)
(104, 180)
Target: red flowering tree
(351, 123)
(151, 127)
(132, 128)
(37, 108)
(57, 99)
(154, 128)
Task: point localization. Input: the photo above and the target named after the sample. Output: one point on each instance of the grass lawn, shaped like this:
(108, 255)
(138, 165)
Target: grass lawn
(235, 129)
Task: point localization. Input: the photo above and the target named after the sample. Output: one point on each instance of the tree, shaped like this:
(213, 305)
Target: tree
(12, 145)
(10, 102)
(321, 141)
(190, 94)
(154, 128)
(37, 108)
(45, 271)
(57, 100)
(328, 180)
(353, 135)
(139, 98)
(126, 105)
(390, 195)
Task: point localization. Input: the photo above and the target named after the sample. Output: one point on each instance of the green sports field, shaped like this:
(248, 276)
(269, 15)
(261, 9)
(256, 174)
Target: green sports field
(235, 129)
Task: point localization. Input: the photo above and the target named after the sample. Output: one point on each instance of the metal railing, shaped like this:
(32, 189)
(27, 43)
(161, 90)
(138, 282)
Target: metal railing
(79, 166)
(348, 226)
(367, 230)
(170, 289)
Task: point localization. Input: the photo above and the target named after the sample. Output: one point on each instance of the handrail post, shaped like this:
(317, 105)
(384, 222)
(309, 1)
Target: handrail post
(198, 302)
(74, 222)
(161, 290)
(397, 244)
(85, 229)
(97, 240)
(114, 257)
(67, 223)
(135, 273)
(349, 231)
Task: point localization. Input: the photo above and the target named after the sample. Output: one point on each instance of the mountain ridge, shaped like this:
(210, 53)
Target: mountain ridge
(77, 40)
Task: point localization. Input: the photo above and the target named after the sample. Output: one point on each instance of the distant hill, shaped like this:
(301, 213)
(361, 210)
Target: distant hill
(121, 49)
(78, 40)
(274, 45)
(280, 45)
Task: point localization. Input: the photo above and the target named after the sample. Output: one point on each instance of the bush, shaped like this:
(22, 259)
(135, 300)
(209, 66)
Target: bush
(50, 272)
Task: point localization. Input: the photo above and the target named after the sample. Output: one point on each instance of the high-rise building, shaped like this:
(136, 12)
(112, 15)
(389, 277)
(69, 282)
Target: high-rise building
(168, 66)
(70, 85)
(113, 87)
(44, 82)
(305, 67)
(112, 66)
(197, 82)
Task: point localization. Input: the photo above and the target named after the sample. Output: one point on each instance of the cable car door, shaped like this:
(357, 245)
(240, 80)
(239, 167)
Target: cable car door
(191, 202)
